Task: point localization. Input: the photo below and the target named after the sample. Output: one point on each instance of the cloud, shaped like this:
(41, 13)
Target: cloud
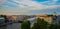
(2, 1)
(31, 5)
(7, 10)
(51, 2)
(25, 6)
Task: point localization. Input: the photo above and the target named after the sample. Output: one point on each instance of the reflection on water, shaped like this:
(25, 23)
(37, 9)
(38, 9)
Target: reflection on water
(11, 26)
(4, 27)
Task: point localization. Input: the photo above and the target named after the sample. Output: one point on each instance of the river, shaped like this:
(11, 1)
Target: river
(12, 26)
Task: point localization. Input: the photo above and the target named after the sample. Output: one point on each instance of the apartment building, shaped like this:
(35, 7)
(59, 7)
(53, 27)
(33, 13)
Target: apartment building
(47, 18)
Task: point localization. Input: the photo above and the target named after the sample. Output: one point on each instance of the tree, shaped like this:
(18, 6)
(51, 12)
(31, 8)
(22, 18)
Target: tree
(58, 25)
(41, 24)
(25, 25)
(1, 15)
(53, 26)
(4, 16)
(35, 26)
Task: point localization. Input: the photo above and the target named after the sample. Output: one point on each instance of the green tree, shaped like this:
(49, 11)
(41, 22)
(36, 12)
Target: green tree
(35, 26)
(58, 25)
(1, 15)
(41, 24)
(53, 26)
(4, 16)
(25, 25)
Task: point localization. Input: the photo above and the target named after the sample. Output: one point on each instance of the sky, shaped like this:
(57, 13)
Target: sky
(29, 7)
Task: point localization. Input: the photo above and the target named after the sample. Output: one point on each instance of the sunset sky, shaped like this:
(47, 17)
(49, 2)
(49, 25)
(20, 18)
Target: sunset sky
(29, 7)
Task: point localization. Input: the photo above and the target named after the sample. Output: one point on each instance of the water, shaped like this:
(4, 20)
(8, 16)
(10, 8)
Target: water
(17, 25)
(12, 26)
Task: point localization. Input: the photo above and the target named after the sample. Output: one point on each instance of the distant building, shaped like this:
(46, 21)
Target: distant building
(19, 17)
(47, 18)
(58, 19)
(24, 17)
(10, 18)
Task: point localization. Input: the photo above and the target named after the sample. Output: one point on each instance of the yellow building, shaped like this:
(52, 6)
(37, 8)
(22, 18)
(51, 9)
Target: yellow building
(47, 18)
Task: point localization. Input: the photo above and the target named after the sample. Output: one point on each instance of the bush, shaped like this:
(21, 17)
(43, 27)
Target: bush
(25, 25)
(41, 24)
(4, 16)
(36, 26)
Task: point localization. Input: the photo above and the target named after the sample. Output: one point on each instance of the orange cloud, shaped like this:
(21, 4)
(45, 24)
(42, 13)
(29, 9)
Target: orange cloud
(1, 1)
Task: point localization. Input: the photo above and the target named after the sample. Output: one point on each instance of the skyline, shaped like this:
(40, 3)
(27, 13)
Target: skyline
(31, 7)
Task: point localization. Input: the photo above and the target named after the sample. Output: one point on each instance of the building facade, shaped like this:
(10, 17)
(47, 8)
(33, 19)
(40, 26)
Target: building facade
(47, 18)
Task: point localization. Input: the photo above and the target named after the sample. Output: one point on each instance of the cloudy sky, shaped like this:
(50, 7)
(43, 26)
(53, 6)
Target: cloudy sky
(29, 7)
